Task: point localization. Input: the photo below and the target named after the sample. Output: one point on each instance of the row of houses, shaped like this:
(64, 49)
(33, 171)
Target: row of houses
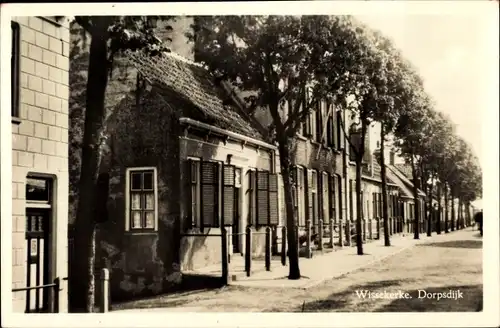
(183, 159)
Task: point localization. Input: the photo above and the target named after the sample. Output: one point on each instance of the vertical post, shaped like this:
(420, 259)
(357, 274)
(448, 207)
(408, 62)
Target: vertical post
(57, 290)
(268, 249)
(248, 250)
(330, 227)
(283, 245)
(225, 259)
(308, 239)
(378, 227)
(104, 290)
(320, 234)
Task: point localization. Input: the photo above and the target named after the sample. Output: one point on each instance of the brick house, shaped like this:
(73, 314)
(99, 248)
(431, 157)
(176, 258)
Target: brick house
(321, 167)
(182, 159)
(39, 82)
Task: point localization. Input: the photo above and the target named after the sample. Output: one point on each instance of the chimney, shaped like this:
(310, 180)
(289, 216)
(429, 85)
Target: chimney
(391, 157)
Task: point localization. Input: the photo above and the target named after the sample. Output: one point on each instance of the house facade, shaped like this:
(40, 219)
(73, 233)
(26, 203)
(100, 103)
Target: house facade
(181, 160)
(39, 90)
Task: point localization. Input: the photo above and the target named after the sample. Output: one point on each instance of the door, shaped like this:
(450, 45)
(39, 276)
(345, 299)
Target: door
(38, 258)
(236, 222)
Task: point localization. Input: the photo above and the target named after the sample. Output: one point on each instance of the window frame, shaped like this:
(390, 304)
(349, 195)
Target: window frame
(15, 74)
(194, 163)
(128, 199)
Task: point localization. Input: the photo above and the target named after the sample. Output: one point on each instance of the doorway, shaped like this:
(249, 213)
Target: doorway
(38, 243)
(236, 236)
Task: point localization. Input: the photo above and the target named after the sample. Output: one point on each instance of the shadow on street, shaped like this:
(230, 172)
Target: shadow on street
(455, 244)
(472, 300)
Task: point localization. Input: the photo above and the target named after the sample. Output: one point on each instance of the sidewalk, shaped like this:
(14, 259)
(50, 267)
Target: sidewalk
(326, 266)
(330, 264)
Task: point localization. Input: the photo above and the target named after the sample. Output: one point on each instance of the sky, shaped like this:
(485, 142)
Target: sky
(448, 52)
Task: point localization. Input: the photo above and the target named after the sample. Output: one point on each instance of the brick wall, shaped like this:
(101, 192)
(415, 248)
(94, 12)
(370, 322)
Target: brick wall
(40, 139)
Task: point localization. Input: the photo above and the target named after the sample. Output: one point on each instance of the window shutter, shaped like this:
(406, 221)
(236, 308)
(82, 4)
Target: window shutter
(193, 171)
(262, 197)
(351, 205)
(209, 193)
(282, 214)
(273, 199)
(309, 189)
(374, 205)
(340, 131)
(251, 193)
(228, 208)
(15, 69)
(335, 136)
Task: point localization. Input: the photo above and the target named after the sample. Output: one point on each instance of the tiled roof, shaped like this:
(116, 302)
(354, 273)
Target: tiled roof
(403, 177)
(377, 173)
(194, 84)
(405, 169)
(406, 191)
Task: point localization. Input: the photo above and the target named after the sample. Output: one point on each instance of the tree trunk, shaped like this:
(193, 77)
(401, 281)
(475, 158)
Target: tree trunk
(359, 201)
(83, 283)
(359, 212)
(430, 209)
(385, 210)
(293, 254)
(460, 216)
(446, 209)
(440, 207)
(415, 199)
(452, 211)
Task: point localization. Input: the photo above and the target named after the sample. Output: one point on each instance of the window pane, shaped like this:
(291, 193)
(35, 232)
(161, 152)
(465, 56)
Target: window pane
(150, 220)
(136, 220)
(148, 181)
(150, 201)
(37, 189)
(135, 201)
(136, 181)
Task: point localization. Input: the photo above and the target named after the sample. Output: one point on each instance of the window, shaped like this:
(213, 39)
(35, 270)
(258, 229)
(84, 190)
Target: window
(251, 197)
(319, 121)
(141, 201)
(313, 195)
(299, 194)
(374, 205)
(38, 190)
(229, 177)
(351, 203)
(194, 192)
(263, 193)
(325, 198)
(330, 127)
(340, 193)
(340, 131)
(15, 72)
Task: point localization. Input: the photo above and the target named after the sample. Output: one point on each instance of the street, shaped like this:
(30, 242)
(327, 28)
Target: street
(443, 274)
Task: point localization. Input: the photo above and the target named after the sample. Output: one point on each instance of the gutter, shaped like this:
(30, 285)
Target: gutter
(233, 135)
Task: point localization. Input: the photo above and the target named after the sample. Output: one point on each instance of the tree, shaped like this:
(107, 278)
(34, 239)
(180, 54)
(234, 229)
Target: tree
(392, 100)
(109, 35)
(288, 64)
(412, 133)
